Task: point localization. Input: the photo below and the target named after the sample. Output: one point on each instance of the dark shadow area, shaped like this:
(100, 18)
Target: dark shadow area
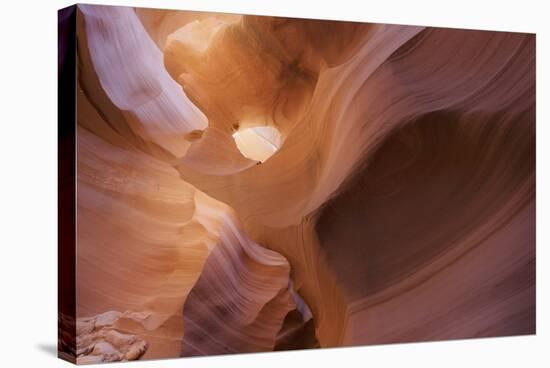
(49, 349)
(434, 180)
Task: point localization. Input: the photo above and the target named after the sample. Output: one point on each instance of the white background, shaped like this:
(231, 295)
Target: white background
(28, 181)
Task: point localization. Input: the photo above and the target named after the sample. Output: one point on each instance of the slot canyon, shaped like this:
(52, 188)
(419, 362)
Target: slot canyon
(252, 183)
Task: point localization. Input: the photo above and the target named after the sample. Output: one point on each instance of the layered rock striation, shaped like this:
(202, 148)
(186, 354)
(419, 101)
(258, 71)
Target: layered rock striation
(253, 183)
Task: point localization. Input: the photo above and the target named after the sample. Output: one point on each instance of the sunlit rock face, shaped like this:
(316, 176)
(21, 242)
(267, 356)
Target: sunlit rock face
(251, 184)
(258, 143)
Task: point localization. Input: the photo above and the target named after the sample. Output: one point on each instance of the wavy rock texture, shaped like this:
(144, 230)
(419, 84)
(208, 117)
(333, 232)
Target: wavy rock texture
(254, 183)
(240, 300)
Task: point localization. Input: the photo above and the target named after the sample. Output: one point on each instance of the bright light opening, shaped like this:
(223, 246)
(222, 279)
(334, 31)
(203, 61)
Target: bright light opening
(258, 143)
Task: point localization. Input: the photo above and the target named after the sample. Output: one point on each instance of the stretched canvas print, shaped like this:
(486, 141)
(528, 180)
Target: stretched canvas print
(236, 183)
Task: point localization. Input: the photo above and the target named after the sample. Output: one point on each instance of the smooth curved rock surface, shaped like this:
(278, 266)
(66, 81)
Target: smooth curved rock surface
(397, 205)
(240, 300)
